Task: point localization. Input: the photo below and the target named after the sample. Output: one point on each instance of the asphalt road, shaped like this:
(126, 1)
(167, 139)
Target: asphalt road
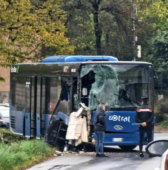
(116, 160)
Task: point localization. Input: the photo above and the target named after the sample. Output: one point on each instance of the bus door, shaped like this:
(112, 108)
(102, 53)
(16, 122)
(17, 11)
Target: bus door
(40, 106)
(35, 107)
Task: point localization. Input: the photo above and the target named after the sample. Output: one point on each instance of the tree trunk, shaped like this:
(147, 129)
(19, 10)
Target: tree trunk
(98, 31)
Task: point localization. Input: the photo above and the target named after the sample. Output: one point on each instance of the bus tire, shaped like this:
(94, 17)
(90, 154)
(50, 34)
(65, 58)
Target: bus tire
(127, 147)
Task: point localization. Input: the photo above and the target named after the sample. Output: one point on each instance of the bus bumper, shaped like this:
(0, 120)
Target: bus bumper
(121, 139)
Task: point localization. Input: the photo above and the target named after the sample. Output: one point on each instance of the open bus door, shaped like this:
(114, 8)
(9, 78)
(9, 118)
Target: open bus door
(56, 131)
(34, 120)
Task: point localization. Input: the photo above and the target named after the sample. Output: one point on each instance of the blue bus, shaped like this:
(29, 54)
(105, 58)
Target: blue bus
(53, 88)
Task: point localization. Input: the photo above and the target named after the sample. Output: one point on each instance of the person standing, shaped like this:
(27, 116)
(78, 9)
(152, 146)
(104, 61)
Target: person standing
(144, 115)
(100, 128)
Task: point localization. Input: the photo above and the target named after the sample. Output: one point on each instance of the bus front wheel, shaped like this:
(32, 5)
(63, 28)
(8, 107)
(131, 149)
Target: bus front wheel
(128, 147)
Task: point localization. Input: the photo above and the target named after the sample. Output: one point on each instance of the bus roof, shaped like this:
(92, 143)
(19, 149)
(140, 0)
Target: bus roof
(86, 62)
(76, 58)
(81, 59)
(63, 68)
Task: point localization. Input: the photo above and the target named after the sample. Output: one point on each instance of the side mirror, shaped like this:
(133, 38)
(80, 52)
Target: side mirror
(157, 148)
(84, 92)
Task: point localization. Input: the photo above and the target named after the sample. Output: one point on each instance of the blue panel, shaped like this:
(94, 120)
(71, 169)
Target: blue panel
(17, 127)
(86, 58)
(121, 124)
(54, 59)
(27, 125)
(38, 126)
(119, 121)
(11, 107)
(126, 139)
(63, 117)
(71, 58)
(60, 115)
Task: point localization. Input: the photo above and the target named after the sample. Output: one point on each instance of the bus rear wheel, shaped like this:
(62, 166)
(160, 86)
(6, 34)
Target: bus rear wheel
(127, 147)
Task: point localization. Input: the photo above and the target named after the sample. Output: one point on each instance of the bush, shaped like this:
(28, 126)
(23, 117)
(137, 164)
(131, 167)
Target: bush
(164, 123)
(161, 108)
(23, 153)
(9, 137)
(159, 117)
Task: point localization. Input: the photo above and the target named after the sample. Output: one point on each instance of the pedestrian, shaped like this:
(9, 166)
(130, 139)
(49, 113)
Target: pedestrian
(100, 128)
(144, 115)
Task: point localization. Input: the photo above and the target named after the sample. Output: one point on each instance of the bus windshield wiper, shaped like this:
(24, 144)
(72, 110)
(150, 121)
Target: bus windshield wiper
(128, 99)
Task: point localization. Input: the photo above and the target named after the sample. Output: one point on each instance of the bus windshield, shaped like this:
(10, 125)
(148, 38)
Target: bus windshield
(116, 85)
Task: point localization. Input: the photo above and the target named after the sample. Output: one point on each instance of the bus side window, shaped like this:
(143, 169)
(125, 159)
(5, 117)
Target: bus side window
(87, 82)
(65, 92)
(69, 89)
(73, 95)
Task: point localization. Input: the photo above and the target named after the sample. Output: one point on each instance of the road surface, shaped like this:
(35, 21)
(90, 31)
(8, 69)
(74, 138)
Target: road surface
(116, 160)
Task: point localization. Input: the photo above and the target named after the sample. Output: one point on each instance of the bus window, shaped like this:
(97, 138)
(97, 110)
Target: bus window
(116, 85)
(102, 85)
(53, 91)
(18, 92)
(74, 95)
(87, 82)
(64, 104)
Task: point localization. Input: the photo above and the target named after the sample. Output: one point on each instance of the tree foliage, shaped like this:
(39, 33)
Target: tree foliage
(35, 29)
(26, 30)
(106, 26)
(157, 52)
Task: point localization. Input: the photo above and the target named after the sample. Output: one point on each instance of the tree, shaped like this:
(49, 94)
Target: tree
(157, 52)
(110, 25)
(26, 30)
(80, 30)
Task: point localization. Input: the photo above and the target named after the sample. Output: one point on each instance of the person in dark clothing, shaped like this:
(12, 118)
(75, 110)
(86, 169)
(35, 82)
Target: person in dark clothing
(100, 128)
(144, 115)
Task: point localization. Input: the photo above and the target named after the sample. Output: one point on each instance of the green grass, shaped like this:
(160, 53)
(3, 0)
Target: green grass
(3, 130)
(164, 123)
(8, 136)
(22, 154)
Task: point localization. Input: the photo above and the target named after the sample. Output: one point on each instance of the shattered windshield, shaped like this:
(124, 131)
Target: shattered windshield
(116, 85)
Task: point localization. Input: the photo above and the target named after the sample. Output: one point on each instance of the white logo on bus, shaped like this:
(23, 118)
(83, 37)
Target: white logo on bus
(13, 69)
(73, 70)
(119, 118)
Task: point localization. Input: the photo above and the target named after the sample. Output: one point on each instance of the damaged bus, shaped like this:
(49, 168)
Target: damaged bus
(43, 95)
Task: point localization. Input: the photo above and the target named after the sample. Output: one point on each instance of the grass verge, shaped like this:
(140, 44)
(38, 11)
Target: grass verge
(3, 130)
(8, 137)
(164, 123)
(22, 154)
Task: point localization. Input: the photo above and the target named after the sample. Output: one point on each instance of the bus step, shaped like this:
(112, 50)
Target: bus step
(63, 130)
(60, 138)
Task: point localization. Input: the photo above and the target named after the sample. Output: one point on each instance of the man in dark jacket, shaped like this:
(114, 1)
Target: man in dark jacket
(100, 128)
(144, 115)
